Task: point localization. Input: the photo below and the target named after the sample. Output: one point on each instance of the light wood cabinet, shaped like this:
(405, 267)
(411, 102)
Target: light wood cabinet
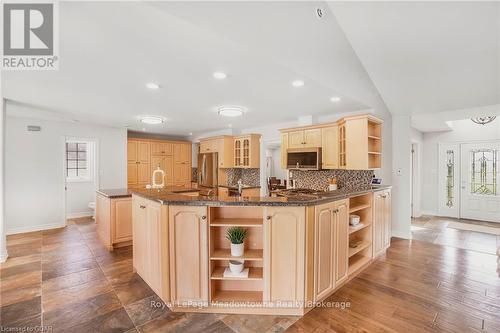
(381, 221)
(209, 146)
(114, 220)
(138, 162)
(330, 147)
(284, 254)
(353, 143)
(223, 145)
(145, 156)
(247, 151)
(284, 148)
(150, 243)
(188, 229)
(341, 217)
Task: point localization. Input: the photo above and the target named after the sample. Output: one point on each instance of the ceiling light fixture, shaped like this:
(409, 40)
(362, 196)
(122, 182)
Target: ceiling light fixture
(297, 83)
(231, 111)
(335, 99)
(152, 120)
(483, 120)
(152, 85)
(220, 75)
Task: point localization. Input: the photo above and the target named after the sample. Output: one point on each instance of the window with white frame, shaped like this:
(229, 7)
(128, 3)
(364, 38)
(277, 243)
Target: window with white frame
(79, 160)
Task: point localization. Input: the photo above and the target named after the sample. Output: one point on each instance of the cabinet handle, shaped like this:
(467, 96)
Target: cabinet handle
(336, 211)
(268, 218)
(384, 196)
(142, 207)
(203, 217)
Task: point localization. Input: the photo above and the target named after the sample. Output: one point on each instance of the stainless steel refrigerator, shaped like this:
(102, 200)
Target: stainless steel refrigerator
(208, 173)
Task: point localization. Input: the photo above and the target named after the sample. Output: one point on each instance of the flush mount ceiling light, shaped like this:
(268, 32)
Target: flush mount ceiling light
(153, 85)
(231, 111)
(152, 120)
(335, 99)
(483, 120)
(297, 83)
(220, 75)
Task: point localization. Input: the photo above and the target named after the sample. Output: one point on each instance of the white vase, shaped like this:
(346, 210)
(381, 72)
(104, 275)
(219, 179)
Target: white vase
(237, 249)
(236, 266)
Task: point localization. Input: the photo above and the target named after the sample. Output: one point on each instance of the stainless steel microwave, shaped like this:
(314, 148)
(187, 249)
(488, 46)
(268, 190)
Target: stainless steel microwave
(304, 159)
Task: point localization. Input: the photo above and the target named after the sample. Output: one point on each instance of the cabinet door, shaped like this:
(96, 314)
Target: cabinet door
(143, 152)
(167, 148)
(122, 219)
(330, 147)
(284, 249)
(188, 230)
(296, 139)
(132, 152)
(139, 231)
(378, 222)
(312, 138)
(132, 173)
(245, 158)
(284, 147)
(143, 173)
(156, 148)
(237, 152)
(341, 215)
(342, 147)
(387, 218)
(324, 251)
(154, 251)
(168, 165)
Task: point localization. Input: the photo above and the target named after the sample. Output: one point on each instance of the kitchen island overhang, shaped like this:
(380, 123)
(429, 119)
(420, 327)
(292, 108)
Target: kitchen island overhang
(296, 250)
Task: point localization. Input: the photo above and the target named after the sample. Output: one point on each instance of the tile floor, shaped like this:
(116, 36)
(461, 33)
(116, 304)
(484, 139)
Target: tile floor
(66, 281)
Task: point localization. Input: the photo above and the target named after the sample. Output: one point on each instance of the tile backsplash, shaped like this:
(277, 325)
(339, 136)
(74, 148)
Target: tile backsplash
(194, 174)
(250, 177)
(318, 180)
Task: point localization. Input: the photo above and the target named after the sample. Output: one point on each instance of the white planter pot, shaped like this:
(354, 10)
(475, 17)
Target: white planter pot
(236, 266)
(237, 249)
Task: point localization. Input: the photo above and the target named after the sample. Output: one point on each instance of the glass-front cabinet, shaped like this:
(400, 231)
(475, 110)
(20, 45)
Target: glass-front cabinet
(247, 151)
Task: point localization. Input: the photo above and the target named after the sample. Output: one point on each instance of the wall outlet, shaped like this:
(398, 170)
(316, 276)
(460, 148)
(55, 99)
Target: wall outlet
(399, 172)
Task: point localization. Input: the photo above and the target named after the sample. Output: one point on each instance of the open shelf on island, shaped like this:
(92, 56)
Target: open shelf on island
(358, 227)
(255, 273)
(237, 222)
(357, 262)
(354, 250)
(358, 207)
(225, 254)
(237, 296)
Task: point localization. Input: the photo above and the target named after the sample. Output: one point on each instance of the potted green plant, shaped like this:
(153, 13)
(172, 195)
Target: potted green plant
(236, 236)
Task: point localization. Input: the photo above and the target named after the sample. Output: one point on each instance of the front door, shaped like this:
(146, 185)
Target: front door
(480, 175)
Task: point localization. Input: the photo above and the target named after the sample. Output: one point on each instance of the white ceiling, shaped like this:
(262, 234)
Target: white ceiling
(426, 56)
(109, 50)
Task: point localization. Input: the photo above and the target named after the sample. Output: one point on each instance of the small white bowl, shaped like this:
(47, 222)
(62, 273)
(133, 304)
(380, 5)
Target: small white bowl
(236, 266)
(354, 220)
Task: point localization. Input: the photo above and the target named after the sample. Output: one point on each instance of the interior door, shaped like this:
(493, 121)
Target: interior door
(480, 171)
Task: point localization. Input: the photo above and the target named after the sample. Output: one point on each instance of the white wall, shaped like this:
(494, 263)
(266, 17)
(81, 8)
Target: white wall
(34, 169)
(462, 131)
(417, 140)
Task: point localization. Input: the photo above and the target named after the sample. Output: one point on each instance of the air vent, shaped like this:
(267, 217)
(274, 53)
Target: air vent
(33, 128)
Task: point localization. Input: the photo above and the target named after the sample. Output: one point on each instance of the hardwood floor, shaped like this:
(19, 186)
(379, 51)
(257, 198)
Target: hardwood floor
(65, 280)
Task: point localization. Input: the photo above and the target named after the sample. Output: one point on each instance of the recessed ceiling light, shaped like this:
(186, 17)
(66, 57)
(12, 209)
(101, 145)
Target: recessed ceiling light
(152, 85)
(220, 75)
(152, 120)
(190, 133)
(230, 125)
(298, 83)
(231, 111)
(335, 99)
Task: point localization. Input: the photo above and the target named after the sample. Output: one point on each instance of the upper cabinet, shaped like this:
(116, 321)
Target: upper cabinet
(145, 156)
(234, 151)
(247, 151)
(353, 143)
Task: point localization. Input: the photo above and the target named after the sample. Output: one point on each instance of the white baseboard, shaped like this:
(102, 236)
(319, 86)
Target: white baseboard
(80, 214)
(31, 228)
(429, 212)
(401, 234)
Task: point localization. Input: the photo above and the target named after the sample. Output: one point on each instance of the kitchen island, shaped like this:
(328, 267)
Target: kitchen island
(298, 250)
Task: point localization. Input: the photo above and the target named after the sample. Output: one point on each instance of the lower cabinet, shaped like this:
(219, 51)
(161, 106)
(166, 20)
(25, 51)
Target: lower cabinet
(114, 220)
(331, 236)
(188, 237)
(151, 245)
(284, 254)
(381, 221)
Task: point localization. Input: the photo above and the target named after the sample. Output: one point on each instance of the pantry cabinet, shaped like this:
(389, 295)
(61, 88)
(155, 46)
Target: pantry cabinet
(381, 221)
(138, 162)
(165, 163)
(188, 233)
(330, 147)
(182, 164)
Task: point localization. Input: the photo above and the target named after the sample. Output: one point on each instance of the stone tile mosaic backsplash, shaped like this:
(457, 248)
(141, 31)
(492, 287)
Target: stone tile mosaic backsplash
(250, 177)
(194, 174)
(319, 180)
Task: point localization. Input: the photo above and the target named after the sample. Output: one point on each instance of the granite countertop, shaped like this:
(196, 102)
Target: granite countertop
(235, 187)
(166, 198)
(126, 192)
